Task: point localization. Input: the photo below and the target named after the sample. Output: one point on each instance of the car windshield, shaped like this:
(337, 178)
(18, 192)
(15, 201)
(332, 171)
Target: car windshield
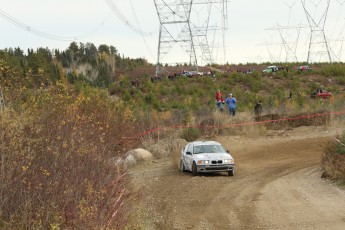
(208, 149)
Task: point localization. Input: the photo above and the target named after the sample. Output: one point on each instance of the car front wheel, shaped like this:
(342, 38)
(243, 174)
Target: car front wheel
(231, 173)
(182, 169)
(194, 170)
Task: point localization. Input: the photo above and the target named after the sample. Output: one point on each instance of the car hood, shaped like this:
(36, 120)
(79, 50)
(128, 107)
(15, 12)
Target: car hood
(212, 156)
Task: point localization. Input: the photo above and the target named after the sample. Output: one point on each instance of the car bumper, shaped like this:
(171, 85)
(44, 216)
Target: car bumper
(215, 168)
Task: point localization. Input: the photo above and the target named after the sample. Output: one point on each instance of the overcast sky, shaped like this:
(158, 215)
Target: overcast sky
(257, 30)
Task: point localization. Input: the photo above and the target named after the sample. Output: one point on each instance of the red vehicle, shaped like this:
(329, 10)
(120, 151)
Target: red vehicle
(320, 93)
(304, 68)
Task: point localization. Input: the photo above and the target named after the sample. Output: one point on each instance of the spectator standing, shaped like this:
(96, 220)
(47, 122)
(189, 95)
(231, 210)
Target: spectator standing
(219, 100)
(258, 108)
(231, 102)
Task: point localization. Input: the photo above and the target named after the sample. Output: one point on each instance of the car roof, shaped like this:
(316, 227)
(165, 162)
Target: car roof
(205, 143)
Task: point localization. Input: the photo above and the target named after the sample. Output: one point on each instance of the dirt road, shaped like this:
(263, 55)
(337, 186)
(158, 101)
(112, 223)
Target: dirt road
(277, 185)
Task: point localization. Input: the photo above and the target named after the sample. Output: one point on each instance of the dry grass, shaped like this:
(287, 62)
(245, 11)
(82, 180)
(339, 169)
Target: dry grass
(333, 159)
(333, 167)
(241, 124)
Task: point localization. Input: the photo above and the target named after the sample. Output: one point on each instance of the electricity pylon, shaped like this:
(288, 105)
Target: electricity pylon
(288, 45)
(192, 34)
(318, 46)
(172, 12)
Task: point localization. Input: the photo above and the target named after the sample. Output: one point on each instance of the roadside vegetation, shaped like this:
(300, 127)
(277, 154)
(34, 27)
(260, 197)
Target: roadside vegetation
(70, 114)
(57, 145)
(333, 159)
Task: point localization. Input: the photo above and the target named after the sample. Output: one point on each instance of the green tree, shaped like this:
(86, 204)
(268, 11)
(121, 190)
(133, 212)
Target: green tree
(104, 49)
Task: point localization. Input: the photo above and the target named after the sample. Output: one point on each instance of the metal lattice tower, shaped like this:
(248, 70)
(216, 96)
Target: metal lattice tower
(318, 46)
(288, 45)
(206, 25)
(172, 12)
(200, 36)
(192, 33)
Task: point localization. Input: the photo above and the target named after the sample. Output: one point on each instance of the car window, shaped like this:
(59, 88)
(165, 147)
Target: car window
(198, 149)
(218, 149)
(190, 148)
(208, 149)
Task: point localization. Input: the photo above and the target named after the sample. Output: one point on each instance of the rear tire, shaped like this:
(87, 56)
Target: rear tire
(194, 170)
(231, 173)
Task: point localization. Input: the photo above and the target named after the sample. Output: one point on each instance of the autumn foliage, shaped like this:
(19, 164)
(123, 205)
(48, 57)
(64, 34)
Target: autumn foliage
(333, 159)
(57, 145)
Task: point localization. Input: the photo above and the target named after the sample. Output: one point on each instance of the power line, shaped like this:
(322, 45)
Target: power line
(118, 13)
(39, 33)
(137, 22)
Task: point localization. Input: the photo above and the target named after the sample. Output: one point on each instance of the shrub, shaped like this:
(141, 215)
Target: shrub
(190, 134)
(333, 159)
(56, 169)
(333, 70)
(340, 80)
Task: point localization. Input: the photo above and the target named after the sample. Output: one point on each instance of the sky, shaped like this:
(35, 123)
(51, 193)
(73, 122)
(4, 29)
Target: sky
(258, 31)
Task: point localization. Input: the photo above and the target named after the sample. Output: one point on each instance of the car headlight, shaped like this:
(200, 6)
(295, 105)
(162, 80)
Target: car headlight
(227, 161)
(203, 162)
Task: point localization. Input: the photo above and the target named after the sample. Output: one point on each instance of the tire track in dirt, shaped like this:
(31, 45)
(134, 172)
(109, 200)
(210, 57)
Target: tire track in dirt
(177, 200)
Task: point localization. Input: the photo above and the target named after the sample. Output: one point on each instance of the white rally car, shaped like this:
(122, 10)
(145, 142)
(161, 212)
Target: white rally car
(206, 156)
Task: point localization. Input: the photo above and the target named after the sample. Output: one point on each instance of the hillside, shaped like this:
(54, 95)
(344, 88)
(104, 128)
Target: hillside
(246, 82)
(67, 116)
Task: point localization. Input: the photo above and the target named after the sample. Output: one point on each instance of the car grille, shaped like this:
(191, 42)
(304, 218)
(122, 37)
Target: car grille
(218, 168)
(217, 162)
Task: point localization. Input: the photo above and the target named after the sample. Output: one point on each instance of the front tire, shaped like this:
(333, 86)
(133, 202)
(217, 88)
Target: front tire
(182, 168)
(194, 169)
(231, 173)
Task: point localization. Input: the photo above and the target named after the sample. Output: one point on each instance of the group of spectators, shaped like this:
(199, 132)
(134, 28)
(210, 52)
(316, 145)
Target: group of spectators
(230, 101)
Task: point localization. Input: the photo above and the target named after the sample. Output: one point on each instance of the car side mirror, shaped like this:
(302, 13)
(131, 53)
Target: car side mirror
(188, 153)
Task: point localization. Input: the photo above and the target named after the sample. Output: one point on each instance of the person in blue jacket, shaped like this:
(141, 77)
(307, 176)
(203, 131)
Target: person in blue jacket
(231, 102)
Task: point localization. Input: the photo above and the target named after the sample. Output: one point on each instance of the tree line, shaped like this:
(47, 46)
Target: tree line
(79, 62)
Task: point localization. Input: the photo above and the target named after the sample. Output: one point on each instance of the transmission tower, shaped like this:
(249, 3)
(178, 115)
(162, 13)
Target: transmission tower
(289, 46)
(318, 46)
(192, 34)
(172, 12)
(206, 25)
